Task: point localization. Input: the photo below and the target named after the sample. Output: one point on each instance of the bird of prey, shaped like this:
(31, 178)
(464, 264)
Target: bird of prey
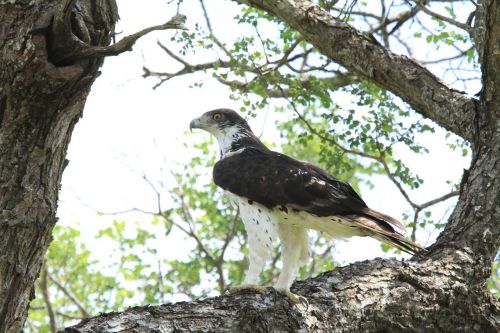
(279, 196)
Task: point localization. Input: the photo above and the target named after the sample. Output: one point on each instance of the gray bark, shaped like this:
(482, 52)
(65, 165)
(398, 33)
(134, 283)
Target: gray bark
(39, 106)
(442, 290)
(370, 296)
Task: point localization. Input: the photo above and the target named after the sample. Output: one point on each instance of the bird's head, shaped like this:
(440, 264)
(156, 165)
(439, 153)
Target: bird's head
(228, 127)
(218, 121)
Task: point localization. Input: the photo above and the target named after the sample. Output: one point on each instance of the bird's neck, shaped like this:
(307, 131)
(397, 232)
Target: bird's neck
(235, 138)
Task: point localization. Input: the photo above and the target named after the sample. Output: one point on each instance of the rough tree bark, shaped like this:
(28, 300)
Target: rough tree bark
(440, 291)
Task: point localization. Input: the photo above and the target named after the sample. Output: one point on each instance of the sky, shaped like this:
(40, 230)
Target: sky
(129, 129)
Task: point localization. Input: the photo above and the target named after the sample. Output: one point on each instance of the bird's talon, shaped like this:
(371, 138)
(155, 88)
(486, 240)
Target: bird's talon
(295, 299)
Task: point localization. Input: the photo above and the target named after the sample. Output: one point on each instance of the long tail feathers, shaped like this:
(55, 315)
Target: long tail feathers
(381, 227)
(400, 242)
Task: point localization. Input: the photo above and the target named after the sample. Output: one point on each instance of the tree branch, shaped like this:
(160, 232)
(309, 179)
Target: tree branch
(400, 19)
(438, 200)
(334, 82)
(396, 297)
(438, 16)
(487, 37)
(65, 47)
(70, 295)
(366, 57)
(46, 299)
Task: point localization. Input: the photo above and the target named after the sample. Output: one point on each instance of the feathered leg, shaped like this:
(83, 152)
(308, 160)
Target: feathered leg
(261, 231)
(294, 254)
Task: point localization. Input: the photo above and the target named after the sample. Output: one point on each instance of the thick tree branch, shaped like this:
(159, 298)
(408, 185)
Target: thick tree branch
(396, 297)
(487, 36)
(366, 57)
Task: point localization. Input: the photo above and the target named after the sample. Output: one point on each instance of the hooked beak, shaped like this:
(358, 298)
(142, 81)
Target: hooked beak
(195, 123)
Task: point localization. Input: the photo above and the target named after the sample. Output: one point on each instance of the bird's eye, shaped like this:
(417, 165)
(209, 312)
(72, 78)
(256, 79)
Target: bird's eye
(216, 116)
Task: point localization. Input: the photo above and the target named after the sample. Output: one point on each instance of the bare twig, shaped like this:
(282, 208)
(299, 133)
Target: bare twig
(160, 283)
(438, 200)
(287, 53)
(460, 25)
(126, 43)
(414, 227)
(399, 19)
(70, 295)
(65, 315)
(212, 35)
(457, 56)
(231, 233)
(46, 299)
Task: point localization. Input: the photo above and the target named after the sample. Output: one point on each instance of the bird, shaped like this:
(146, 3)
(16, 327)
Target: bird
(282, 197)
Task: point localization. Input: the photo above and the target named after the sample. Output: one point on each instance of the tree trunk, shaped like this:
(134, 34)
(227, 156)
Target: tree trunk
(40, 103)
(442, 290)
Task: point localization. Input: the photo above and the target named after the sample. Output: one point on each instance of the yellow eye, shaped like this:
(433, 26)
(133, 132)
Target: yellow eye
(216, 116)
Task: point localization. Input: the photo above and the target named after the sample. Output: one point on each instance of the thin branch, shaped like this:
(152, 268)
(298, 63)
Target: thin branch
(262, 44)
(65, 315)
(189, 219)
(287, 53)
(212, 35)
(70, 295)
(438, 200)
(395, 182)
(400, 19)
(414, 226)
(126, 43)
(326, 138)
(458, 56)
(172, 54)
(460, 25)
(46, 299)
(160, 282)
(232, 232)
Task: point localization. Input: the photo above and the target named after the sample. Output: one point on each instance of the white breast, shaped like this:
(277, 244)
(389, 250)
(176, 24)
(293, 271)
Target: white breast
(260, 224)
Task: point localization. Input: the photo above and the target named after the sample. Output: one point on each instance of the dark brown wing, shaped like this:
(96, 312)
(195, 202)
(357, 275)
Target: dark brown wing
(274, 179)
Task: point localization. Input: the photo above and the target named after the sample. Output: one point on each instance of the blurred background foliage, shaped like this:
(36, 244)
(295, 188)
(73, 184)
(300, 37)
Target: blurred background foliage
(326, 115)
